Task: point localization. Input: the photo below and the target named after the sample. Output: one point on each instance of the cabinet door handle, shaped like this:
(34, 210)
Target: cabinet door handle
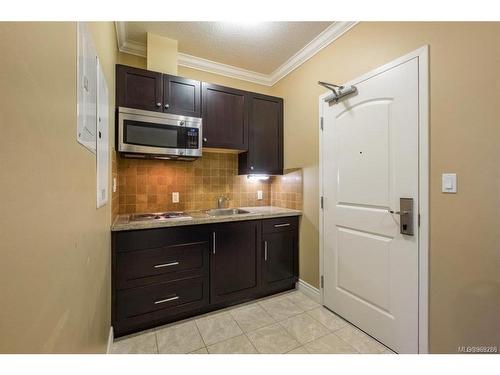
(213, 242)
(281, 225)
(166, 300)
(167, 106)
(205, 139)
(158, 104)
(166, 264)
(265, 251)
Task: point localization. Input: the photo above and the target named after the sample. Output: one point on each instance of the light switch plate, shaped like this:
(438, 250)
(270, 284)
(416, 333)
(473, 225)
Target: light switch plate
(260, 196)
(175, 197)
(114, 184)
(449, 183)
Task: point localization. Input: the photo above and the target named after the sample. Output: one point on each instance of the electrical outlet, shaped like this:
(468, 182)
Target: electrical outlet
(175, 197)
(260, 195)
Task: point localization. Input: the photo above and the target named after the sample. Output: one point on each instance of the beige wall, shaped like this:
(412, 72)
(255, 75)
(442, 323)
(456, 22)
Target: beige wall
(464, 138)
(162, 54)
(55, 245)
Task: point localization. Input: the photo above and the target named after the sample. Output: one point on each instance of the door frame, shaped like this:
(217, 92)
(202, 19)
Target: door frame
(422, 54)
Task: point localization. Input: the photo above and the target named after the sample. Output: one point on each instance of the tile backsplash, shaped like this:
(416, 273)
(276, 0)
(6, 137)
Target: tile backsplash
(286, 190)
(147, 185)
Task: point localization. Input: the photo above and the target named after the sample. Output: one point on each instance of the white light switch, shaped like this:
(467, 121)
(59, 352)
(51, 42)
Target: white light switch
(259, 195)
(449, 183)
(175, 197)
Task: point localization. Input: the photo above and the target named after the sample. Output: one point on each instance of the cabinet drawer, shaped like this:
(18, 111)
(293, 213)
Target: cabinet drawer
(158, 237)
(150, 266)
(158, 301)
(280, 224)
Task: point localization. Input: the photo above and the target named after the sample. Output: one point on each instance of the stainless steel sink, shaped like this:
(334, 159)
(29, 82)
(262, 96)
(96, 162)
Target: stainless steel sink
(226, 211)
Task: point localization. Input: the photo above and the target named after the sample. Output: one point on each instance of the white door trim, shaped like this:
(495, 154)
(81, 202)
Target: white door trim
(423, 161)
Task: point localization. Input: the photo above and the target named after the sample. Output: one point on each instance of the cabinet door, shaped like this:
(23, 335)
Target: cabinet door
(279, 268)
(224, 118)
(182, 96)
(265, 136)
(139, 88)
(235, 261)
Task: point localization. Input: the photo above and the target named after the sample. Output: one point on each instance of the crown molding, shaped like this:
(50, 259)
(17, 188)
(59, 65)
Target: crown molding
(327, 36)
(209, 66)
(128, 46)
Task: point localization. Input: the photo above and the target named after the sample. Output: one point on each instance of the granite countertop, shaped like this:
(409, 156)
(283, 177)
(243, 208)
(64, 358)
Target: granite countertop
(201, 217)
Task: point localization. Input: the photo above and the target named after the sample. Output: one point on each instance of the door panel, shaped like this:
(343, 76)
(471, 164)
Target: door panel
(363, 153)
(265, 147)
(138, 88)
(182, 96)
(235, 261)
(224, 118)
(280, 253)
(369, 162)
(367, 254)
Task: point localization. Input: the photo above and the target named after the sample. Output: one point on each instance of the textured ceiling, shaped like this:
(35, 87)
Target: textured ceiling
(260, 47)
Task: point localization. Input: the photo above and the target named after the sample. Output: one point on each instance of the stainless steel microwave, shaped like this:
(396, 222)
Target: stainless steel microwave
(147, 134)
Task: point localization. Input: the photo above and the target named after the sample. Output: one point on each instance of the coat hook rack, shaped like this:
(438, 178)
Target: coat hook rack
(338, 92)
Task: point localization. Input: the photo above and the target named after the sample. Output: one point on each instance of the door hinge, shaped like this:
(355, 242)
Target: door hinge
(321, 202)
(418, 219)
(322, 283)
(321, 123)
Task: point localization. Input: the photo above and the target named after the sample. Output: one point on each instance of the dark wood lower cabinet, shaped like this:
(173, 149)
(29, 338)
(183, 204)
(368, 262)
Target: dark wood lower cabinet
(166, 274)
(280, 264)
(235, 261)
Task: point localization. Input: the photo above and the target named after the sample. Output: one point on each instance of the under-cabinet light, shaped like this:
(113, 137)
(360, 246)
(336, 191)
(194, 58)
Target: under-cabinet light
(257, 177)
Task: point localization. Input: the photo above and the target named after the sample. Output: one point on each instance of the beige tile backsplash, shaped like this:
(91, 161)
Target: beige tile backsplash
(147, 185)
(286, 190)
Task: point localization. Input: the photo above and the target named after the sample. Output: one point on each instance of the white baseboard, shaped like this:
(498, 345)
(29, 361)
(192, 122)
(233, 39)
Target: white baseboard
(111, 338)
(309, 291)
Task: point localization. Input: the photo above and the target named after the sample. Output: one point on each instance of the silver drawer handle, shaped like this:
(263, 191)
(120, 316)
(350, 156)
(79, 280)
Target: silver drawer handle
(281, 225)
(265, 251)
(166, 264)
(166, 300)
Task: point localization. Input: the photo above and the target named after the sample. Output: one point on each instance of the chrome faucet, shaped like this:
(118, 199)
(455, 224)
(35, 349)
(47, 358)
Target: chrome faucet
(221, 200)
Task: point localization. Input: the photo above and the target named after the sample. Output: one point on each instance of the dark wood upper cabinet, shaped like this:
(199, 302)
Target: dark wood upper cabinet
(235, 261)
(224, 117)
(139, 88)
(265, 136)
(233, 119)
(181, 96)
(153, 91)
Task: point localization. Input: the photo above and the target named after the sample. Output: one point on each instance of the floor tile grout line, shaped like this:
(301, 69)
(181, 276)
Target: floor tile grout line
(347, 343)
(156, 340)
(244, 333)
(297, 339)
(199, 333)
(331, 330)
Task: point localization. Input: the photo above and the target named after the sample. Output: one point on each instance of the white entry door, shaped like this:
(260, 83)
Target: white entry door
(369, 157)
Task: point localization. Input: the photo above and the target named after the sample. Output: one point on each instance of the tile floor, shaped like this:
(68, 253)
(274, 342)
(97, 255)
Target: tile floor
(286, 323)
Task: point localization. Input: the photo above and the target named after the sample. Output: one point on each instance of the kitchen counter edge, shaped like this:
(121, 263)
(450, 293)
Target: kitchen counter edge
(256, 213)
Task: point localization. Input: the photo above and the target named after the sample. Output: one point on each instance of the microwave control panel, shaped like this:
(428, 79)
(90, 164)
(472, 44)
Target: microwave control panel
(192, 138)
